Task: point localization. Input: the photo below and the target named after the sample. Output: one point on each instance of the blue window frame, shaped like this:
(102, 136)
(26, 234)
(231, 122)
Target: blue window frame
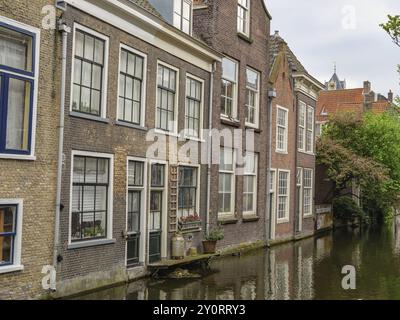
(8, 233)
(17, 85)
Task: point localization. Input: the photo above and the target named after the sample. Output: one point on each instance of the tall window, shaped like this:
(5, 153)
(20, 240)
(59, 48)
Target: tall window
(310, 130)
(243, 19)
(229, 88)
(88, 81)
(308, 192)
(252, 97)
(282, 130)
(90, 198)
(183, 15)
(283, 195)
(250, 184)
(131, 87)
(272, 187)
(8, 232)
(226, 182)
(135, 207)
(194, 96)
(187, 204)
(302, 126)
(166, 98)
(17, 83)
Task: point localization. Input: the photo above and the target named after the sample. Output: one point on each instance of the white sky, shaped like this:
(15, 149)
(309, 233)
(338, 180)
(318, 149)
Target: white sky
(321, 33)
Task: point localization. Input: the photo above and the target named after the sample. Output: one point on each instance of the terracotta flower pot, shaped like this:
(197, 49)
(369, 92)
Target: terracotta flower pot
(209, 247)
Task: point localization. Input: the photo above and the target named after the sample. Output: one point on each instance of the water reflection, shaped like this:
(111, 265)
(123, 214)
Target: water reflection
(306, 270)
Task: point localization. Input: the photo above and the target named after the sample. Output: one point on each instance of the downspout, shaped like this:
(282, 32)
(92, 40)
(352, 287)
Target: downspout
(298, 214)
(64, 29)
(270, 220)
(209, 146)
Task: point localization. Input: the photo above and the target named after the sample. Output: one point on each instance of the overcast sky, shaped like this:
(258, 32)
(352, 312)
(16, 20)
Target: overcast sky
(347, 32)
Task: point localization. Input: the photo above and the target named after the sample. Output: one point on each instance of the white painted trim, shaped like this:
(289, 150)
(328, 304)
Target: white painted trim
(144, 83)
(307, 215)
(143, 209)
(286, 141)
(302, 148)
(300, 201)
(16, 266)
(36, 70)
(151, 29)
(258, 100)
(110, 193)
(104, 88)
(201, 125)
(235, 81)
(255, 195)
(222, 215)
(312, 132)
(273, 204)
(287, 214)
(176, 110)
(248, 25)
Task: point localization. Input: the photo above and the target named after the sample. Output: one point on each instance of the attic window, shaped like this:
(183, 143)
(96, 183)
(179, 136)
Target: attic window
(183, 15)
(243, 18)
(324, 112)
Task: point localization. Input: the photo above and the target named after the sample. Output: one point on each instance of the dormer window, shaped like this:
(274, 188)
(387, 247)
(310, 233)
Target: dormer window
(243, 18)
(183, 15)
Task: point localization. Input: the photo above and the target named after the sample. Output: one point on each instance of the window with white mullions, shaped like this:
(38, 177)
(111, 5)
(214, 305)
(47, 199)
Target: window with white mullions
(8, 232)
(183, 15)
(252, 97)
(308, 192)
(226, 182)
(229, 88)
(282, 130)
(17, 82)
(283, 195)
(243, 18)
(130, 87)
(187, 204)
(136, 186)
(193, 107)
(250, 184)
(310, 130)
(89, 198)
(302, 126)
(88, 73)
(166, 98)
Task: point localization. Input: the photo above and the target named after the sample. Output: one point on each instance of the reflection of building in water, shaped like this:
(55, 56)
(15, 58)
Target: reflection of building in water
(304, 274)
(323, 247)
(396, 227)
(248, 290)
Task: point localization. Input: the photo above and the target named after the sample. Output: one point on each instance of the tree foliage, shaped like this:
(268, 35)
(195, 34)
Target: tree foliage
(392, 27)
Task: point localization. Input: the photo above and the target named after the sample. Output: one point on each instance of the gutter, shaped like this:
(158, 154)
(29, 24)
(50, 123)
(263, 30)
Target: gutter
(64, 29)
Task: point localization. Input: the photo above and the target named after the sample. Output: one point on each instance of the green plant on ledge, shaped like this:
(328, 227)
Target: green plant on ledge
(215, 234)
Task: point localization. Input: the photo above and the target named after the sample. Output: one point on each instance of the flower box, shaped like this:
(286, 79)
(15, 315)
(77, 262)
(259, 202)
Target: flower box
(189, 225)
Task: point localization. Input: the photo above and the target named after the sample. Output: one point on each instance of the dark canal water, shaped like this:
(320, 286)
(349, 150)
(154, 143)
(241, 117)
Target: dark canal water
(310, 269)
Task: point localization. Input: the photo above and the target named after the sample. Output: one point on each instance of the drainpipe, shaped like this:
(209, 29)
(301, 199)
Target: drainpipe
(64, 29)
(209, 147)
(270, 221)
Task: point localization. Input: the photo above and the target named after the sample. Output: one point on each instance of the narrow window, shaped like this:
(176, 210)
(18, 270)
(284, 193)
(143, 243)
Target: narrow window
(310, 130)
(302, 126)
(187, 204)
(194, 96)
(229, 88)
(250, 184)
(8, 233)
(308, 192)
(283, 196)
(226, 182)
(131, 87)
(166, 98)
(243, 19)
(90, 198)
(252, 97)
(183, 15)
(282, 130)
(88, 79)
(17, 83)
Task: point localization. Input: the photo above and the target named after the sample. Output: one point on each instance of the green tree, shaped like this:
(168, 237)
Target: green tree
(392, 27)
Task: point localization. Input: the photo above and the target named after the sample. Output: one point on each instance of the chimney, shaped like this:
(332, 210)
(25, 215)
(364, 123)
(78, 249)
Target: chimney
(276, 33)
(390, 96)
(367, 87)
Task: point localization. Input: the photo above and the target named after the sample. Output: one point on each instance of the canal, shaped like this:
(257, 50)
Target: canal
(309, 269)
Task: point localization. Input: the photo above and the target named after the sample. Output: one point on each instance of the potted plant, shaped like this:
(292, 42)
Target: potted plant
(190, 222)
(210, 242)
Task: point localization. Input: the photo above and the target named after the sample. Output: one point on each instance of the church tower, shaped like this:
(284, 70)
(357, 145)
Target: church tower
(335, 83)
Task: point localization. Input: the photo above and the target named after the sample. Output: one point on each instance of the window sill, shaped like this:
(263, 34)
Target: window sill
(309, 216)
(230, 121)
(283, 221)
(88, 117)
(93, 243)
(17, 157)
(245, 37)
(130, 125)
(194, 230)
(281, 152)
(13, 268)
(307, 153)
(251, 127)
(166, 133)
(250, 218)
(194, 139)
(227, 220)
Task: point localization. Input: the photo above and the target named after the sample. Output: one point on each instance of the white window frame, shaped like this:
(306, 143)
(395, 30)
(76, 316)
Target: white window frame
(35, 69)
(143, 215)
(286, 219)
(257, 100)
(231, 214)
(201, 124)
(17, 250)
(302, 125)
(104, 87)
(311, 131)
(198, 167)
(109, 235)
(285, 142)
(273, 191)
(248, 16)
(310, 213)
(180, 27)
(234, 90)
(255, 186)
(176, 116)
(144, 82)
